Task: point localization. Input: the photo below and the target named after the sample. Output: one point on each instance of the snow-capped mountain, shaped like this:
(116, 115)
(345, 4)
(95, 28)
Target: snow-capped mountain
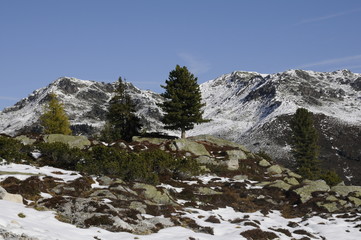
(85, 103)
(247, 107)
(254, 109)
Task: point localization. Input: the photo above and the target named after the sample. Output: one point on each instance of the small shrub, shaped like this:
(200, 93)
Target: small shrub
(60, 155)
(11, 149)
(21, 215)
(331, 177)
(258, 234)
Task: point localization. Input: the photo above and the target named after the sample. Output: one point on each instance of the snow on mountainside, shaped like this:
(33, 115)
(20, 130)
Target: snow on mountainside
(240, 102)
(247, 107)
(85, 102)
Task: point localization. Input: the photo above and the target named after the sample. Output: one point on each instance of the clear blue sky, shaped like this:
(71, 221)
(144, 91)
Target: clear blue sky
(143, 40)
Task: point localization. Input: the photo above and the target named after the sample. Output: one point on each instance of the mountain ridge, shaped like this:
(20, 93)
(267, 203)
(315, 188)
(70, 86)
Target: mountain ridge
(246, 107)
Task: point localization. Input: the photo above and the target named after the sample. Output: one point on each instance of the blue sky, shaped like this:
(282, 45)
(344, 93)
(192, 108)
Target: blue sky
(143, 40)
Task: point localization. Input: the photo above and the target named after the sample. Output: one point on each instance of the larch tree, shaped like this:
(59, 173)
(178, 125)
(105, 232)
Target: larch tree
(54, 119)
(122, 120)
(183, 101)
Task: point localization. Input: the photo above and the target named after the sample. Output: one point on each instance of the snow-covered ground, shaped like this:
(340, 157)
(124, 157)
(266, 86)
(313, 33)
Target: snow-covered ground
(20, 219)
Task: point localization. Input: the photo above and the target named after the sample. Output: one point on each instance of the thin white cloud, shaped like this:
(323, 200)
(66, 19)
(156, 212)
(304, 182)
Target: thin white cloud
(195, 65)
(327, 17)
(332, 61)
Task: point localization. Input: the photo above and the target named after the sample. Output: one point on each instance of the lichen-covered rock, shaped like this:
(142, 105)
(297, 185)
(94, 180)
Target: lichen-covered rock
(355, 201)
(73, 141)
(25, 140)
(240, 177)
(231, 164)
(293, 174)
(207, 191)
(281, 185)
(264, 163)
(274, 169)
(190, 146)
(346, 190)
(306, 191)
(236, 154)
(151, 193)
(219, 142)
(156, 141)
(207, 160)
(291, 180)
(4, 195)
(330, 207)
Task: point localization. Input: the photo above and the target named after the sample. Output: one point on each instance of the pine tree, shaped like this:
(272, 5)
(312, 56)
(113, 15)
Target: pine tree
(182, 105)
(122, 121)
(305, 144)
(54, 119)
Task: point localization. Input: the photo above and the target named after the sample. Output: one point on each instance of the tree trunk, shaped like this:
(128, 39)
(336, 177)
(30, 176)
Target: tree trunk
(183, 134)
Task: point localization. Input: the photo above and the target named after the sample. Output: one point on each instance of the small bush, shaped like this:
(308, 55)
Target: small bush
(145, 166)
(21, 215)
(331, 177)
(11, 149)
(60, 155)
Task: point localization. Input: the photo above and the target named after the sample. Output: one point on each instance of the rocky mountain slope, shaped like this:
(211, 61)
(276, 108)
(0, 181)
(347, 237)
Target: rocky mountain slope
(241, 195)
(85, 102)
(246, 107)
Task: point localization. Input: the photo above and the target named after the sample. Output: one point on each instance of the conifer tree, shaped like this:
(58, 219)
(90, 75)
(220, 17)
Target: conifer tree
(182, 105)
(54, 119)
(305, 144)
(122, 121)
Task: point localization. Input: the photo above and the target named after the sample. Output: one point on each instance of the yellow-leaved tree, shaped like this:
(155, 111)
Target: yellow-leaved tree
(54, 119)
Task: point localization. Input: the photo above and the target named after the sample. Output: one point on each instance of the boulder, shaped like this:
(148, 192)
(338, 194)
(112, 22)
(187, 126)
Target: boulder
(309, 187)
(281, 185)
(240, 177)
(207, 191)
(156, 141)
(274, 169)
(355, 201)
(25, 140)
(73, 141)
(4, 195)
(291, 180)
(151, 193)
(330, 207)
(218, 141)
(264, 163)
(236, 154)
(206, 160)
(190, 146)
(231, 164)
(343, 191)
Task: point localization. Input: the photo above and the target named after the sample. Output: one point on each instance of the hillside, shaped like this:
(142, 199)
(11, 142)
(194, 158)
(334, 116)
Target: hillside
(240, 195)
(246, 107)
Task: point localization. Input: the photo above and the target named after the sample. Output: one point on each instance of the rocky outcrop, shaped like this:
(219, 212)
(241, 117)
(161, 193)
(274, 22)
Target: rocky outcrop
(73, 141)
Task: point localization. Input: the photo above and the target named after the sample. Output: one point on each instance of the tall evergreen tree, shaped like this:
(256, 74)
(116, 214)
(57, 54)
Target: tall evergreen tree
(122, 121)
(305, 144)
(182, 105)
(54, 119)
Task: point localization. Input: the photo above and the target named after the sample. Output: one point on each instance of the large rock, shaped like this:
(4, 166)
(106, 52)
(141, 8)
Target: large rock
(190, 146)
(281, 185)
(156, 141)
(151, 193)
(4, 195)
(346, 190)
(219, 142)
(73, 141)
(306, 191)
(25, 140)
